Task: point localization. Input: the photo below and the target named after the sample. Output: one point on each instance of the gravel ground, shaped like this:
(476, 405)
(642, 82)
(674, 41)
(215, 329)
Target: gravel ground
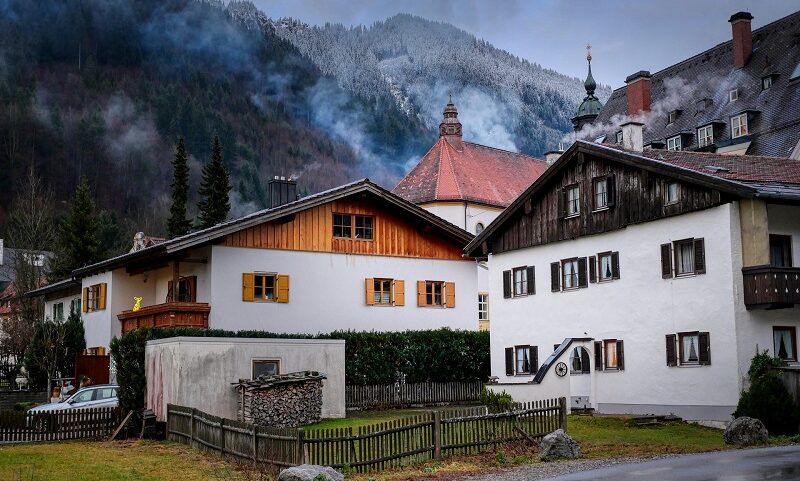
(554, 468)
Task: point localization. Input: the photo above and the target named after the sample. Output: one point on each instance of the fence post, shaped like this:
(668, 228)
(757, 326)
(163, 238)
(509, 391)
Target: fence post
(222, 437)
(300, 458)
(437, 435)
(255, 444)
(191, 429)
(562, 413)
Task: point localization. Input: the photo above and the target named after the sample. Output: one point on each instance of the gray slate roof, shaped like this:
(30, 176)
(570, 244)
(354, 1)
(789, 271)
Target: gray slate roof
(775, 125)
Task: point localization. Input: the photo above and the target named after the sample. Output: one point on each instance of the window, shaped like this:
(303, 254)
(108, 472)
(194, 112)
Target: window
(94, 297)
(610, 360)
(478, 228)
(785, 339)
(383, 291)
(674, 143)
(364, 227)
(433, 293)
(573, 200)
(605, 271)
(520, 282)
(609, 355)
(693, 348)
(739, 125)
(342, 225)
(83, 397)
(569, 273)
(58, 311)
(733, 95)
(705, 136)
(187, 289)
(265, 287)
(600, 193)
(683, 258)
(579, 361)
(483, 306)
(766, 82)
(673, 193)
(523, 360)
(75, 306)
(619, 137)
(105, 393)
(672, 116)
(780, 250)
(266, 367)
(436, 294)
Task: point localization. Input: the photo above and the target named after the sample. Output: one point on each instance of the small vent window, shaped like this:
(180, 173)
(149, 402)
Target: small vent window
(733, 95)
(766, 82)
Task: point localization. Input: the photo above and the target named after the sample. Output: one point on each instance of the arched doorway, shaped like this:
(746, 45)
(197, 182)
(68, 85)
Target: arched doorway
(580, 379)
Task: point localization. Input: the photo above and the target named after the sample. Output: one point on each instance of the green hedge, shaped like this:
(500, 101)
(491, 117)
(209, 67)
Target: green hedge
(370, 357)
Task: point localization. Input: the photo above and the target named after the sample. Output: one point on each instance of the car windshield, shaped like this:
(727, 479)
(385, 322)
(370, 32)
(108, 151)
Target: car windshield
(81, 396)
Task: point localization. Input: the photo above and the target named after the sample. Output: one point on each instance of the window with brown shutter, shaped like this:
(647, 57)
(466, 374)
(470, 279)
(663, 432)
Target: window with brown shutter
(450, 294)
(265, 287)
(531, 275)
(509, 361)
(521, 281)
(436, 294)
(101, 296)
(582, 279)
(85, 300)
(533, 355)
(94, 297)
(399, 292)
(592, 269)
(620, 356)
(598, 355)
(666, 261)
(248, 283)
(507, 284)
(379, 292)
(615, 265)
(699, 256)
(688, 258)
(612, 190)
(283, 288)
(555, 277)
(187, 290)
(704, 341)
(672, 356)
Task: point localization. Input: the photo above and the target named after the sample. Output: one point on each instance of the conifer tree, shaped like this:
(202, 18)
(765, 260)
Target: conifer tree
(215, 187)
(178, 224)
(78, 238)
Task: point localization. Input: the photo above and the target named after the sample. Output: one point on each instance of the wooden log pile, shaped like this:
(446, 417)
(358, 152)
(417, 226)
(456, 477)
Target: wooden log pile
(281, 401)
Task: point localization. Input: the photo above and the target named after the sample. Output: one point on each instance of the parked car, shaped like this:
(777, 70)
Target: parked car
(97, 396)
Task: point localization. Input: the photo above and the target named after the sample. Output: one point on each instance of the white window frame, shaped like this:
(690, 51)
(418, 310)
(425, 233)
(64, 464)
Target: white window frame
(682, 351)
(739, 126)
(681, 263)
(601, 277)
(377, 284)
(601, 193)
(519, 362)
(670, 199)
(574, 280)
(519, 288)
(672, 117)
(483, 306)
(572, 199)
(674, 143)
(766, 82)
(619, 137)
(253, 363)
(733, 95)
(58, 306)
(705, 135)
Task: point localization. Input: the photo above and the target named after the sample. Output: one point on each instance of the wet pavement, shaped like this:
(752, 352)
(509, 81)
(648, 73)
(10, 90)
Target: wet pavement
(780, 463)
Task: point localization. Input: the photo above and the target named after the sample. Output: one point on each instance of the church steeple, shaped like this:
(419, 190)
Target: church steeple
(591, 106)
(450, 125)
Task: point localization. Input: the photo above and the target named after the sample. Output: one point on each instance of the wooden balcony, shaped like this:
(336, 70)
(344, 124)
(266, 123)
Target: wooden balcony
(169, 314)
(771, 287)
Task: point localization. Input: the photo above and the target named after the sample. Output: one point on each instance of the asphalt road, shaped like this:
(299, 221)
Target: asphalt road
(781, 463)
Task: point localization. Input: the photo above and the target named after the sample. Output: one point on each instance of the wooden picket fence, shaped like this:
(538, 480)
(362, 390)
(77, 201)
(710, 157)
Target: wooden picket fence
(25, 427)
(408, 394)
(429, 435)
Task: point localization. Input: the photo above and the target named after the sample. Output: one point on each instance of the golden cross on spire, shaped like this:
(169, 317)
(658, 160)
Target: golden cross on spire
(589, 52)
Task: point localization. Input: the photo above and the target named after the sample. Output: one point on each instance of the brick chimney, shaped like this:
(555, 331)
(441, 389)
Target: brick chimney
(638, 92)
(742, 38)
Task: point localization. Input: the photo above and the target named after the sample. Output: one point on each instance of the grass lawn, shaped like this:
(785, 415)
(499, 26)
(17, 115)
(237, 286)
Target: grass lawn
(364, 418)
(110, 461)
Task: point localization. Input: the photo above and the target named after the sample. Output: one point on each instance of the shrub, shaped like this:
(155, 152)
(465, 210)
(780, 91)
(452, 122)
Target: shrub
(370, 357)
(767, 399)
(496, 401)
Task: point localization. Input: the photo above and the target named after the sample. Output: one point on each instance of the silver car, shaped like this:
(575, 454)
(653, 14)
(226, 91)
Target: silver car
(97, 396)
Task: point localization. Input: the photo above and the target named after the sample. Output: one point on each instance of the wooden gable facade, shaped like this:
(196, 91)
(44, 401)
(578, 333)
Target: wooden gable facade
(637, 193)
(394, 233)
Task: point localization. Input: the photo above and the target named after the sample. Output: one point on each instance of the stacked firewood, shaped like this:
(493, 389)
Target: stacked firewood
(284, 401)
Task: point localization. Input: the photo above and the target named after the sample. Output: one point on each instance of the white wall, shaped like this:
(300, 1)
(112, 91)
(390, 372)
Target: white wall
(99, 325)
(326, 292)
(454, 213)
(640, 309)
(198, 371)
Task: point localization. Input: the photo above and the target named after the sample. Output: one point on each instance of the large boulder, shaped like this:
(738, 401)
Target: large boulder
(558, 444)
(309, 472)
(745, 431)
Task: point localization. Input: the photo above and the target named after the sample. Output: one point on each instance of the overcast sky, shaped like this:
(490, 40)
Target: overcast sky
(626, 35)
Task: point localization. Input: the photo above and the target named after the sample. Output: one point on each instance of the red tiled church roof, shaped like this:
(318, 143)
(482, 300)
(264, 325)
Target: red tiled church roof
(454, 170)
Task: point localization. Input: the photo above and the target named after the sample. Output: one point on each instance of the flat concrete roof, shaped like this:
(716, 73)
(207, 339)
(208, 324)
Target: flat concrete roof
(242, 340)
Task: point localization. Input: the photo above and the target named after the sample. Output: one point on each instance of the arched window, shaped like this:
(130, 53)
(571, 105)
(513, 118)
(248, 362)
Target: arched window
(478, 228)
(579, 360)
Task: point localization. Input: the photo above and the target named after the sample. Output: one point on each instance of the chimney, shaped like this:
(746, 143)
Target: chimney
(632, 136)
(281, 191)
(551, 156)
(638, 92)
(742, 38)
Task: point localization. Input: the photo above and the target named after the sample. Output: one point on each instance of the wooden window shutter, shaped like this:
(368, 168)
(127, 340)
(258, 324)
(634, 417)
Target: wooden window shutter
(582, 281)
(509, 361)
(282, 282)
(666, 261)
(399, 292)
(620, 356)
(598, 355)
(704, 345)
(101, 297)
(84, 298)
(611, 190)
(506, 284)
(248, 281)
(533, 357)
(449, 294)
(421, 293)
(555, 278)
(562, 204)
(699, 256)
(530, 272)
(369, 291)
(592, 269)
(672, 355)
(615, 265)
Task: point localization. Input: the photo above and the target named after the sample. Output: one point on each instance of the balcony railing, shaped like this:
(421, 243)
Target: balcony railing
(169, 314)
(774, 287)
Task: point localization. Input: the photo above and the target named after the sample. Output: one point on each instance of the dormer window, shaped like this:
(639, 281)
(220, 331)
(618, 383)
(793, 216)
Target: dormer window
(766, 82)
(739, 125)
(795, 73)
(674, 143)
(619, 137)
(705, 136)
(673, 116)
(701, 105)
(733, 95)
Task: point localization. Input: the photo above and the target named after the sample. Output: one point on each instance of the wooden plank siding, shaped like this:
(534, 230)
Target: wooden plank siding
(640, 197)
(312, 230)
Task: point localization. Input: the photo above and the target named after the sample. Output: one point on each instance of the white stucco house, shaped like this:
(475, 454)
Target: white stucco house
(639, 282)
(354, 257)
